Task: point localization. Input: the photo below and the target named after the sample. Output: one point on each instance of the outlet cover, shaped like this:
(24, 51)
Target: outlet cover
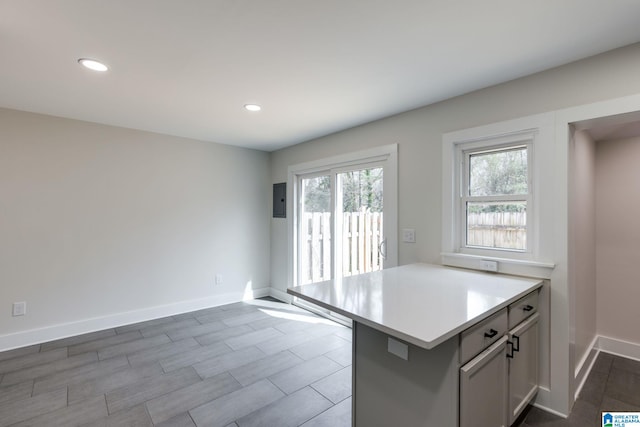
(489, 265)
(19, 308)
(218, 279)
(398, 348)
(409, 235)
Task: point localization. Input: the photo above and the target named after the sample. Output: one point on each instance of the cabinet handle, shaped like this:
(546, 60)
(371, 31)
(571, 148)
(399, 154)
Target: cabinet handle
(527, 307)
(510, 355)
(492, 333)
(382, 248)
(516, 343)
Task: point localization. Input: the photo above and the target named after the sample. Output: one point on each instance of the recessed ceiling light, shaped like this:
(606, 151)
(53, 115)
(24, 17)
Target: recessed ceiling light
(92, 64)
(252, 107)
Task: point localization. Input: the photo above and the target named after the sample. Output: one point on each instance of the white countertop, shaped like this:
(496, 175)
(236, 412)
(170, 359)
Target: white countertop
(422, 304)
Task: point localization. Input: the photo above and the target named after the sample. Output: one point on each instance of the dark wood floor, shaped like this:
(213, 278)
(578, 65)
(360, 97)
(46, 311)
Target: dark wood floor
(260, 363)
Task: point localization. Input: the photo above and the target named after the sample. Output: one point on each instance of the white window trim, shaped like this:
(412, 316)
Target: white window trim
(385, 153)
(538, 131)
(463, 151)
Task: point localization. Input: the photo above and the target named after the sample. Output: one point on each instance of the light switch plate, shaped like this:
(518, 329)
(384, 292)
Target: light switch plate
(19, 308)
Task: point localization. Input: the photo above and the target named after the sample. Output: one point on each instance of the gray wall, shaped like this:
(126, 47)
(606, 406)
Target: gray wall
(582, 241)
(618, 237)
(99, 220)
(419, 135)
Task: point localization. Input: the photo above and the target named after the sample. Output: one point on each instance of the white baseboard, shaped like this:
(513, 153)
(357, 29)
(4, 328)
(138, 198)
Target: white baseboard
(256, 293)
(618, 347)
(584, 366)
(600, 343)
(280, 295)
(84, 326)
(605, 344)
(544, 401)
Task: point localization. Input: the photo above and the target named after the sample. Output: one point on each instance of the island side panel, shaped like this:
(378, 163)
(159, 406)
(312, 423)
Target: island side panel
(389, 391)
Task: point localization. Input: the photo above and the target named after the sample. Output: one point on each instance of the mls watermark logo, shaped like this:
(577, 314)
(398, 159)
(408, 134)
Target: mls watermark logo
(620, 419)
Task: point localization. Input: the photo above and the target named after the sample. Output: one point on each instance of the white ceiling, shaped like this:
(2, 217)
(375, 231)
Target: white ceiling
(186, 67)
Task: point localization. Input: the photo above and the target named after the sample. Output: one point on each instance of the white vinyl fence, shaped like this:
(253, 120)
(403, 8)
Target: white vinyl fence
(361, 237)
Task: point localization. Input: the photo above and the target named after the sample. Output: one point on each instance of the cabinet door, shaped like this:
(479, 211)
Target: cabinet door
(483, 388)
(523, 367)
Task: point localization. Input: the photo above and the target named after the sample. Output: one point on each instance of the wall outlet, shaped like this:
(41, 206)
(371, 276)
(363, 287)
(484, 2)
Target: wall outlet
(218, 279)
(19, 308)
(398, 348)
(489, 265)
(409, 235)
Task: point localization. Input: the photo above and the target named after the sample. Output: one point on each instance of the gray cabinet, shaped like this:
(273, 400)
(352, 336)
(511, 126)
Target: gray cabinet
(420, 390)
(483, 388)
(523, 366)
(429, 387)
(426, 337)
(497, 384)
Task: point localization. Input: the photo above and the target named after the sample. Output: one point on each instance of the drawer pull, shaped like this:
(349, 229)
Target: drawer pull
(527, 307)
(510, 355)
(516, 343)
(492, 333)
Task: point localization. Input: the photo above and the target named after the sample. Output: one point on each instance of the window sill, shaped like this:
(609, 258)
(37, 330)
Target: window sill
(539, 270)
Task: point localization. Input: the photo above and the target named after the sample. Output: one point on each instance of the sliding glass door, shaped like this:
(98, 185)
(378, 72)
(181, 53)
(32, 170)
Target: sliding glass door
(341, 223)
(360, 221)
(343, 220)
(316, 229)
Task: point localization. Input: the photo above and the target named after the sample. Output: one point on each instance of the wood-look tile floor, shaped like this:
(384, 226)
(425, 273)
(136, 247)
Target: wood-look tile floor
(257, 363)
(613, 385)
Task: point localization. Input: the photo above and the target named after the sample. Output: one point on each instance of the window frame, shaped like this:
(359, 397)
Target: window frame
(548, 200)
(466, 151)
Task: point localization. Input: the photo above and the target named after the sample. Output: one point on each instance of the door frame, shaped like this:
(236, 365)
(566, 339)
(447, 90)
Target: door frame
(568, 372)
(387, 154)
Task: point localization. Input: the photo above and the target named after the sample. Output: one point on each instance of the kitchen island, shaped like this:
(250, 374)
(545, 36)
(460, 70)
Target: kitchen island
(414, 327)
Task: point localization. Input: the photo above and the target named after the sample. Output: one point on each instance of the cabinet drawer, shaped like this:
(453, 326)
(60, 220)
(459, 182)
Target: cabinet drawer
(480, 336)
(523, 308)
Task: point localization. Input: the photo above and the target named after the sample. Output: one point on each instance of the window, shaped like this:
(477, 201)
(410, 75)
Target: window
(493, 205)
(495, 196)
(499, 198)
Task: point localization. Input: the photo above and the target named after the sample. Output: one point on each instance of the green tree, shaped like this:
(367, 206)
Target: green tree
(361, 189)
(498, 173)
(317, 194)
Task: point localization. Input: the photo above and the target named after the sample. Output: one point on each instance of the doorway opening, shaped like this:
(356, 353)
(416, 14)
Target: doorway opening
(603, 235)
